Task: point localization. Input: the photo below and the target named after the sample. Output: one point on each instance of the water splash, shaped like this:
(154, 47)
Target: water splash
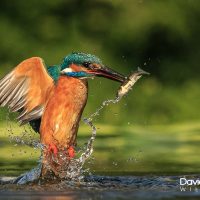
(26, 137)
(96, 113)
(73, 168)
(122, 91)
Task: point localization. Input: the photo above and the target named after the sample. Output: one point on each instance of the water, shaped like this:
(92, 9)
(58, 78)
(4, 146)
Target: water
(123, 90)
(25, 137)
(75, 184)
(70, 168)
(103, 187)
(145, 171)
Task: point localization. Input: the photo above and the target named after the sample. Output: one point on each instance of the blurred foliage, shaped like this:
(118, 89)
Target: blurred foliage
(160, 36)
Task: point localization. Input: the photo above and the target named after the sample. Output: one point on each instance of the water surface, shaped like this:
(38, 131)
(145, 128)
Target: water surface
(130, 161)
(103, 187)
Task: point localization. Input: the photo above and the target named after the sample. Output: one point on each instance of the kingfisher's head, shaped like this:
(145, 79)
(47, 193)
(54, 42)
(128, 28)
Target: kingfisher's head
(81, 65)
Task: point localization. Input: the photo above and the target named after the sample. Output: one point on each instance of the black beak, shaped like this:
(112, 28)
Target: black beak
(106, 72)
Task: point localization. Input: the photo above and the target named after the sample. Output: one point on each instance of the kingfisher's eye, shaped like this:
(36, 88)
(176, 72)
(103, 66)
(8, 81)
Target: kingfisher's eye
(86, 64)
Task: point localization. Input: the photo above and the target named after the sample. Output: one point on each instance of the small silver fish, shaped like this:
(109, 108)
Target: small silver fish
(129, 82)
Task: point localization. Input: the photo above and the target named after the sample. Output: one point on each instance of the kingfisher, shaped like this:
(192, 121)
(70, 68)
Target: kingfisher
(51, 99)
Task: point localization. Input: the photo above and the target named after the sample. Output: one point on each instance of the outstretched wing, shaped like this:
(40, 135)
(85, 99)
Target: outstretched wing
(26, 89)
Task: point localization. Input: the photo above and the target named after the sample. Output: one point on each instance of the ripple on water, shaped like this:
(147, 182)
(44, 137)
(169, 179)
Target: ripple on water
(100, 187)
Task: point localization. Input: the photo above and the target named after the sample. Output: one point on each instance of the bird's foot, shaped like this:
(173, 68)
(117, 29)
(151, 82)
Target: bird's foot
(53, 149)
(53, 153)
(30, 176)
(71, 152)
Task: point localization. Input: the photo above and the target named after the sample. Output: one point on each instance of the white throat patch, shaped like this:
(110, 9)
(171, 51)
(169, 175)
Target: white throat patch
(66, 70)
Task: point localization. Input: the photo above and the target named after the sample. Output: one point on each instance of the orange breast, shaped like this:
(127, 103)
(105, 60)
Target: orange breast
(63, 111)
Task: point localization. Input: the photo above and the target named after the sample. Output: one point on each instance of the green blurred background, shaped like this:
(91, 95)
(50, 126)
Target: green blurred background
(160, 117)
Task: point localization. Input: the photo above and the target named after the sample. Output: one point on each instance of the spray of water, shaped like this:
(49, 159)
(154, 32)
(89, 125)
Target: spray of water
(24, 138)
(73, 169)
(122, 91)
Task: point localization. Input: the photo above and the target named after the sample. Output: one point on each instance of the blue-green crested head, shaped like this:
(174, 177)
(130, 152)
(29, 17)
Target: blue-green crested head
(79, 59)
(82, 65)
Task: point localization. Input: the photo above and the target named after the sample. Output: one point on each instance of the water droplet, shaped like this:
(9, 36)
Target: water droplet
(115, 163)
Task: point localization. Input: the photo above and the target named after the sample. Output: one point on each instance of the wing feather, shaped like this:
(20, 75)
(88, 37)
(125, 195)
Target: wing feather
(26, 89)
